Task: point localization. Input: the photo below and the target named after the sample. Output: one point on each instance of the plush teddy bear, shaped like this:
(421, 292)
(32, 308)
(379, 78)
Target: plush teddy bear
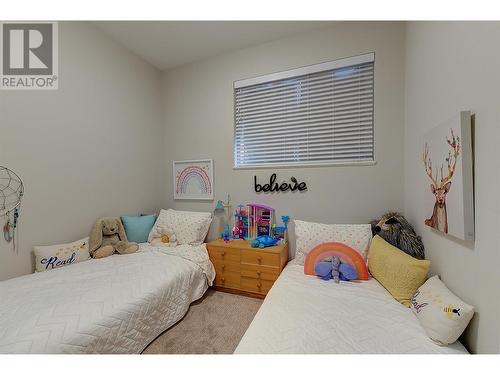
(108, 237)
(163, 236)
(334, 269)
(395, 229)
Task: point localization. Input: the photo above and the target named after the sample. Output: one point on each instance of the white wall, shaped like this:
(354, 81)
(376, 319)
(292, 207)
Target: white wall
(86, 150)
(450, 67)
(93, 147)
(198, 116)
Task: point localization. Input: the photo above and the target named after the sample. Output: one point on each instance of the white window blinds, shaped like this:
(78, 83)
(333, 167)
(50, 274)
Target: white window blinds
(320, 114)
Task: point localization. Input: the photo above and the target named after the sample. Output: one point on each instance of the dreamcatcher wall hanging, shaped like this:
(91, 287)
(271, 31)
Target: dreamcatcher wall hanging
(11, 193)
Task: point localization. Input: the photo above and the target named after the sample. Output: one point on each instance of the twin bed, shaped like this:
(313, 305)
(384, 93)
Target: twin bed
(117, 304)
(303, 314)
(121, 303)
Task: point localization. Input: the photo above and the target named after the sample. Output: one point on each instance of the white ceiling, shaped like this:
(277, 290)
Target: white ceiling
(166, 44)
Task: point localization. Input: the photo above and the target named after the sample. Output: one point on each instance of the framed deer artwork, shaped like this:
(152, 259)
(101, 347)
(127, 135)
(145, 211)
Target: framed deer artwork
(448, 161)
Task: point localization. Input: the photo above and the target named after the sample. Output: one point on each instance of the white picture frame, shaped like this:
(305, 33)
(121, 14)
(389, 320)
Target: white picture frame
(448, 193)
(193, 179)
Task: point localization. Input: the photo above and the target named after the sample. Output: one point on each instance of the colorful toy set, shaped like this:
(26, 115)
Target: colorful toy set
(241, 223)
(256, 222)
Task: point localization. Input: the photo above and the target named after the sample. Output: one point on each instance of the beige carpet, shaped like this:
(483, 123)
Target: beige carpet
(214, 324)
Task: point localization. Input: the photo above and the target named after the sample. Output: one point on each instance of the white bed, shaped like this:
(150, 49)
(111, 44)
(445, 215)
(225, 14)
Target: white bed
(303, 314)
(117, 304)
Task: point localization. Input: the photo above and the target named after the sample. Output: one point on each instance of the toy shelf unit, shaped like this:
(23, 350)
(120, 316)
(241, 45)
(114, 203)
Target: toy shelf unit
(241, 227)
(261, 220)
(255, 220)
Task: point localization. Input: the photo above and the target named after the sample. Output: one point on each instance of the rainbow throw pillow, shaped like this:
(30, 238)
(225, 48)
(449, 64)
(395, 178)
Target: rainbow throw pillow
(346, 254)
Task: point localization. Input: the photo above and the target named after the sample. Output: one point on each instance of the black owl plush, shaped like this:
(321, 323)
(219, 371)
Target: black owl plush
(395, 229)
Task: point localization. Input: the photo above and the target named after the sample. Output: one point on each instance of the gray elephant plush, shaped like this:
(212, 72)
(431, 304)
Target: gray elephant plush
(335, 269)
(108, 236)
(395, 229)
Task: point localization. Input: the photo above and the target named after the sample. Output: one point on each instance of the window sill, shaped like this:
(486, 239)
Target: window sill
(306, 165)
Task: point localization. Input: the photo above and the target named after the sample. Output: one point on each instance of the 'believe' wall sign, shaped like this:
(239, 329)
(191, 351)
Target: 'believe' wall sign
(273, 186)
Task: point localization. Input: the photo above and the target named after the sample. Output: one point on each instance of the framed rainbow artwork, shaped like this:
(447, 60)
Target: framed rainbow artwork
(194, 179)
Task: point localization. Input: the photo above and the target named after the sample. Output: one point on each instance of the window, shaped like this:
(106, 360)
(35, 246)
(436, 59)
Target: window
(319, 114)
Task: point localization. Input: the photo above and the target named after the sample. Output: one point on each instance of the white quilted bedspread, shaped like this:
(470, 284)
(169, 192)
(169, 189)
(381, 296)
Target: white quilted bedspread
(303, 314)
(117, 304)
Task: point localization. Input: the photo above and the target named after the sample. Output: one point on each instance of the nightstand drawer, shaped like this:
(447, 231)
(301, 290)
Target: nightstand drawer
(259, 272)
(218, 254)
(240, 268)
(228, 279)
(260, 258)
(256, 285)
(226, 267)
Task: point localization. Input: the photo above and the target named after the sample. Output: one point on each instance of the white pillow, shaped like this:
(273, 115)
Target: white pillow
(55, 256)
(308, 235)
(189, 227)
(443, 315)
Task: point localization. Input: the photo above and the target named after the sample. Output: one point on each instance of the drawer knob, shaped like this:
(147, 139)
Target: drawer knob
(222, 254)
(223, 280)
(259, 285)
(223, 267)
(259, 259)
(258, 273)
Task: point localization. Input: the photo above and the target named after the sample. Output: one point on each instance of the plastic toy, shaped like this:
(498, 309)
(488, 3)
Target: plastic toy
(236, 232)
(335, 270)
(240, 229)
(257, 220)
(226, 234)
(280, 232)
(260, 220)
(253, 221)
(285, 219)
(264, 241)
(221, 217)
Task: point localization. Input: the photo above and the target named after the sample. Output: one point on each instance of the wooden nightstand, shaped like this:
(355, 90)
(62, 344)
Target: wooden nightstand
(242, 269)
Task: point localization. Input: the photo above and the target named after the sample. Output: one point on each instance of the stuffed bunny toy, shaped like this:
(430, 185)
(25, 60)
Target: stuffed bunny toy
(108, 237)
(163, 236)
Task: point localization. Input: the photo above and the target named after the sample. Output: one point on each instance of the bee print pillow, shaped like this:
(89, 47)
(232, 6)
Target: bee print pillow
(50, 257)
(441, 313)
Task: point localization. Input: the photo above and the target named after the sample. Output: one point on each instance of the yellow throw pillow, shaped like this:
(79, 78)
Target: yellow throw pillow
(398, 272)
